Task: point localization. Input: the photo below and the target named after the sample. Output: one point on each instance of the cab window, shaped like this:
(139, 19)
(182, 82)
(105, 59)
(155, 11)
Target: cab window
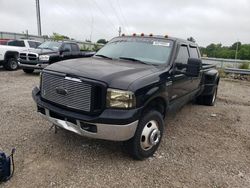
(74, 47)
(18, 43)
(33, 44)
(67, 47)
(183, 55)
(193, 52)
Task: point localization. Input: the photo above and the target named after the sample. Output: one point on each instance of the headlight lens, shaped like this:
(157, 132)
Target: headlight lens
(44, 58)
(120, 99)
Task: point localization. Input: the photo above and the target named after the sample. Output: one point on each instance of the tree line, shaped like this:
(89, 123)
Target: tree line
(236, 50)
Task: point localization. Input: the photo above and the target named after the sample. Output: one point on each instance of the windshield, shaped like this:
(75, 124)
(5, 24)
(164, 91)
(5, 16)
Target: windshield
(50, 45)
(147, 50)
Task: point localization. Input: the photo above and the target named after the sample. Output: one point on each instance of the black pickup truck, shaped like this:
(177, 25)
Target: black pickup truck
(49, 52)
(125, 91)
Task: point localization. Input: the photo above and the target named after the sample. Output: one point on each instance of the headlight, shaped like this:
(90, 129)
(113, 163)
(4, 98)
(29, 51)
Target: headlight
(44, 58)
(120, 99)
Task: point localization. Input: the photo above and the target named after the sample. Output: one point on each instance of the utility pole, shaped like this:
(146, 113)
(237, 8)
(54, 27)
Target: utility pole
(236, 52)
(120, 30)
(38, 18)
(91, 32)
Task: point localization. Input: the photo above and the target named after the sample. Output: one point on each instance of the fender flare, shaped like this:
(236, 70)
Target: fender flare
(210, 82)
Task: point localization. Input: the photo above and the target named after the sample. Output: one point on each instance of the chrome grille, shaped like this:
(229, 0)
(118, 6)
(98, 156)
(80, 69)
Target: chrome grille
(23, 56)
(28, 56)
(32, 57)
(76, 95)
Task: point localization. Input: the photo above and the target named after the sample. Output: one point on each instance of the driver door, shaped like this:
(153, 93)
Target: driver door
(180, 82)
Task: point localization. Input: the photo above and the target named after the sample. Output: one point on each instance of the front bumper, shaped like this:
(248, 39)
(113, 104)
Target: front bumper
(116, 125)
(32, 65)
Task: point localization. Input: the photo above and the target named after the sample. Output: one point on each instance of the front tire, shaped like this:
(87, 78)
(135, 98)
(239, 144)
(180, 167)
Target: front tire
(147, 137)
(28, 71)
(11, 64)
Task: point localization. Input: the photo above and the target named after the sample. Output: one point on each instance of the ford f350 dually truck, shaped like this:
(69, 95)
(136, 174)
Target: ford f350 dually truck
(125, 91)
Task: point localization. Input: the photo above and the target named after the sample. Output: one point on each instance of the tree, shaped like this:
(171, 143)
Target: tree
(57, 36)
(234, 46)
(102, 41)
(96, 47)
(191, 39)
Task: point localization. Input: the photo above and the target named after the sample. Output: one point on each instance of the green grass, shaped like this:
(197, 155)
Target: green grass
(244, 66)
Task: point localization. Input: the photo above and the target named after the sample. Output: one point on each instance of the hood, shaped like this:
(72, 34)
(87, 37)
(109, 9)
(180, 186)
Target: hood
(115, 73)
(40, 51)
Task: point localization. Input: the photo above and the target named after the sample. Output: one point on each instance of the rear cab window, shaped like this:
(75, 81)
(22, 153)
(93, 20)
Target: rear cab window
(194, 52)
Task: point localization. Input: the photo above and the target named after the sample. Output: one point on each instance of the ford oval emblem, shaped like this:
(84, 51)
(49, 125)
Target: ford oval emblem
(61, 91)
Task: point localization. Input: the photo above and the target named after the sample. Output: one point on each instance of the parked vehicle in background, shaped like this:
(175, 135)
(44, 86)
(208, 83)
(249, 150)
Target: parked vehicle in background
(9, 52)
(124, 92)
(4, 41)
(50, 52)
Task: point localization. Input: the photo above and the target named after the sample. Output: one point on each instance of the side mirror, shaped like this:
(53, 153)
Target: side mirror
(193, 67)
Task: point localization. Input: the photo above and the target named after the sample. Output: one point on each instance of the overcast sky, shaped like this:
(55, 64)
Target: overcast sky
(206, 20)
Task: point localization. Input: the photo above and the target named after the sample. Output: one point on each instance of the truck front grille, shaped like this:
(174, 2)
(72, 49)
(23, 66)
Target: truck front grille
(66, 91)
(28, 56)
(23, 56)
(32, 57)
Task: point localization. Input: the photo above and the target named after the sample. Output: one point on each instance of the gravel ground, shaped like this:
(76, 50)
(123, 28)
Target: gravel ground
(202, 146)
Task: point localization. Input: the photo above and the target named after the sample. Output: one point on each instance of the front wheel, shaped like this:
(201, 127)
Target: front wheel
(11, 64)
(147, 136)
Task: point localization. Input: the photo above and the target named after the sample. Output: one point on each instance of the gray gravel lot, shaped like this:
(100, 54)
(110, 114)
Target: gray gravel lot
(202, 146)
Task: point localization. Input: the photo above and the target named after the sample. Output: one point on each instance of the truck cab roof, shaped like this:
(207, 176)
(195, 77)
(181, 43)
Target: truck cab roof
(162, 37)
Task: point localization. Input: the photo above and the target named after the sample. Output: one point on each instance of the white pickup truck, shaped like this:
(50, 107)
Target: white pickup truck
(9, 52)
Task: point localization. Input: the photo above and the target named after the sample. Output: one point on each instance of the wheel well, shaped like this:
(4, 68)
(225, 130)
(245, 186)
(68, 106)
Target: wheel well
(157, 104)
(9, 55)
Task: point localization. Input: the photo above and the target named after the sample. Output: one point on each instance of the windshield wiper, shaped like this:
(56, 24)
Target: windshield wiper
(103, 56)
(134, 59)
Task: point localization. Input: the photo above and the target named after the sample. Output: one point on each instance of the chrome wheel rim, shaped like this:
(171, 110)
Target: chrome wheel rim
(13, 64)
(150, 135)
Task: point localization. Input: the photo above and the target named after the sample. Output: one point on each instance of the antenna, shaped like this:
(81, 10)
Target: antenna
(120, 30)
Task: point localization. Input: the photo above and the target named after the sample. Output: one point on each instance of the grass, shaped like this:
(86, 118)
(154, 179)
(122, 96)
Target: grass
(222, 73)
(244, 66)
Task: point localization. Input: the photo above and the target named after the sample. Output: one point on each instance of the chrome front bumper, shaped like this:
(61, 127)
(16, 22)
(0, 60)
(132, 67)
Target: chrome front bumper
(104, 131)
(35, 66)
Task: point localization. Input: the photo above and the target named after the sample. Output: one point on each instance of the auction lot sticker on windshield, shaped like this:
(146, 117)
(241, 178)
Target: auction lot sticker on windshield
(159, 43)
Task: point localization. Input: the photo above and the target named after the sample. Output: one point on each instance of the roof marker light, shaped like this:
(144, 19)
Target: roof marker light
(142, 34)
(134, 34)
(166, 36)
(150, 34)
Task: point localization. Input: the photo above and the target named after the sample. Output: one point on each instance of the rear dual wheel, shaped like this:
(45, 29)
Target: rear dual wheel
(147, 137)
(208, 100)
